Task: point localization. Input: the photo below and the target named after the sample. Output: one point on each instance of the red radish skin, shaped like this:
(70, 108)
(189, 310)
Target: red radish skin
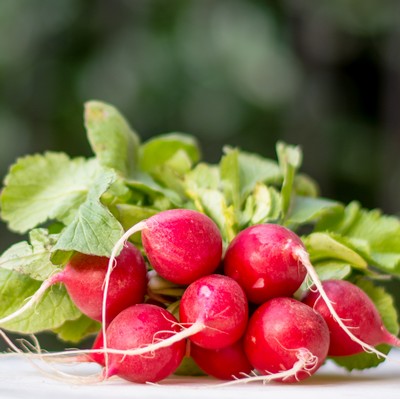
(261, 260)
(137, 326)
(227, 363)
(358, 313)
(285, 254)
(182, 245)
(286, 340)
(84, 277)
(213, 314)
(219, 304)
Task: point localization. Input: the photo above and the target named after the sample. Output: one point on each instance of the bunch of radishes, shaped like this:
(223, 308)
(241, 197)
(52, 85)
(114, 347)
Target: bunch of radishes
(205, 271)
(239, 316)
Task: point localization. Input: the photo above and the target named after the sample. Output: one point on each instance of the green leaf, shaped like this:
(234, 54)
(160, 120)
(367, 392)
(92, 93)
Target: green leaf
(129, 215)
(323, 246)
(203, 176)
(113, 141)
(290, 158)
(371, 233)
(32, 259)
(308, 209)
(242, 171)
(385, 305)
(53, 309)
(155, 152)
(94, 231)
(262, 206)
(255, 169)
(144, 184)
(76, 330)
(333, 270)
(189, 367)
(171, 174)
(305, 186)
(230, 178)
(213, 204)
(46, 187)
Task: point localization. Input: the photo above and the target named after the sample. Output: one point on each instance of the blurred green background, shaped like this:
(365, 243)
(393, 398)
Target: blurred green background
(319, 73)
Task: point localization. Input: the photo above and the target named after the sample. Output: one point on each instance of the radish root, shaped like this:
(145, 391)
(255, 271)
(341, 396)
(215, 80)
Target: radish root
(304, 258)
(306, 363)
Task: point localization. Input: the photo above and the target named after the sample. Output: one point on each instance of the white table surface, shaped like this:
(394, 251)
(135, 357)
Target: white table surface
(20, 379)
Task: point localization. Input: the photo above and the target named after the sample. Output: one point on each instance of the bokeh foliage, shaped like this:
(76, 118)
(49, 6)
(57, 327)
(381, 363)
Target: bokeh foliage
(318, 73)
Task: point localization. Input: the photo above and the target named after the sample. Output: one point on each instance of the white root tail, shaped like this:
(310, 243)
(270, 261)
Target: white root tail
(306, 363)
(305, 260)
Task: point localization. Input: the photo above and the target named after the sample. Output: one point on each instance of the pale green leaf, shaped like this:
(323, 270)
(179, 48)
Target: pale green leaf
(46, 187)
(112, 140)
(230, 178)
(323, 246)
(76, 330)
(31, 258)
(262, 206)
(53, 309)
(129, 215)
(309, 209)
(144, 185)
(290, 158)
(156, 151)
(372, 233)
(94, 231)
(255, 169)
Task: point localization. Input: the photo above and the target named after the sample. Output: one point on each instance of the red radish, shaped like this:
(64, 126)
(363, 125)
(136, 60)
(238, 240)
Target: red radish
(359, 314)
(139, 326)
(265, 259)
(262, 260)
(182, 245)
(219, 304)
(84, 277)
(98, 344)
(286, 340)
(213, 314)
(227, 363)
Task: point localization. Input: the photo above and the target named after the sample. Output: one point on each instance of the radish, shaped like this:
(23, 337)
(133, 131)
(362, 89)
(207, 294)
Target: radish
(213, 314)
(227, 363)
(357, 312)
(218, 305)
(83, 277)
(262, 258)
(182, 245)
(286, 341)
(140, 326)
(269, 260)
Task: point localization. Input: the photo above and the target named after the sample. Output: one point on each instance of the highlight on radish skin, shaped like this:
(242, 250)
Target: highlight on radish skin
(139, 326)
(261, 260)
(84, 277)
(357, 311)
(286, 341)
